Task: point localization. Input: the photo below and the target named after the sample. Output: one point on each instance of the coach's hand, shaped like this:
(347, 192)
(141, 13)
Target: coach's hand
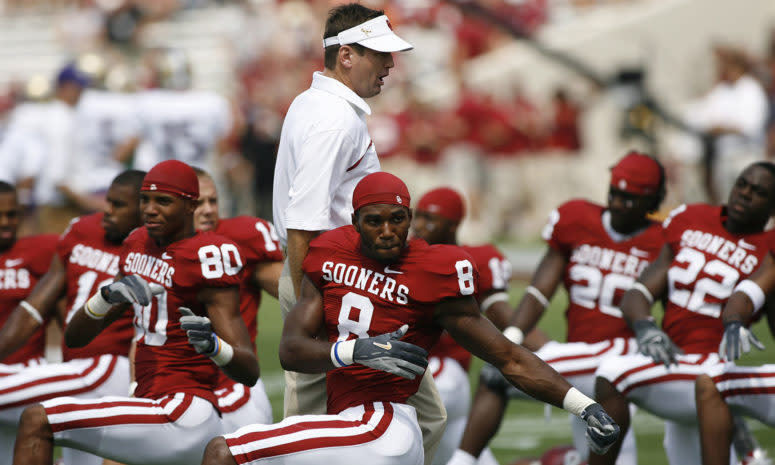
(602, 431)
(384, 352)
(654, 343)
(737, 340)
(130, 289)
(199, 331)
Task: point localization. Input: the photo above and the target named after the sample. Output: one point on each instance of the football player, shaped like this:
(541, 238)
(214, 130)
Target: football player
(86, 258)
(381, 302)
(23, 261)
(708, 250)
(596, 252)
(436, 219)
(263, 261)
(748, 390)
(183, 287)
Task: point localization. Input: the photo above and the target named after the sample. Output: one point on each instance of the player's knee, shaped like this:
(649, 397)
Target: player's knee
(34, 422)
(217, 453)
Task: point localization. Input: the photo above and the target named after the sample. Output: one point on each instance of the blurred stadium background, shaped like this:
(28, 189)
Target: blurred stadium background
(520, 104)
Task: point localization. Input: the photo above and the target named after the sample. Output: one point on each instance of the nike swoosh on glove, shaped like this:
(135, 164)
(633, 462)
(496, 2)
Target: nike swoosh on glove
(386, 353)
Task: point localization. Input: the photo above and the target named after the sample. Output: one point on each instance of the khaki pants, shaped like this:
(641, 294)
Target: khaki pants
(306, 393)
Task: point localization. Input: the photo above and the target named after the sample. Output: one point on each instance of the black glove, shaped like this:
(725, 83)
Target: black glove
(386, 353)
(199, 331)
(130, 289)
(737, 340)
(602, 431)
(654, 343)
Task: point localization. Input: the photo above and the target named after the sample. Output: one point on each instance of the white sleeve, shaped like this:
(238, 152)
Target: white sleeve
(751, 112)
(60, 146)
(321, 165)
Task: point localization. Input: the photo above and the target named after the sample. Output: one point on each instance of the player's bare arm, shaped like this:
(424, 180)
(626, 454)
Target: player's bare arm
(652, 283)
(223, 310)
(545, 280)
(298, 246)
(300, 348)
(461, 317)
(267, 277)
(740, 306)
(23, 322)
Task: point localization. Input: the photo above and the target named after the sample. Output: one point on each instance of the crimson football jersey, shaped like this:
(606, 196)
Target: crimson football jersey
(21, 266)
(364, 298)
(258, 243)
(494, 275)
(600, 268)
(708, 262)
(165, 362)
(91, 262)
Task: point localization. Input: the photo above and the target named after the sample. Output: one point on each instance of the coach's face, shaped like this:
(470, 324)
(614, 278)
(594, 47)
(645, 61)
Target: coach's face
(9, 219)
(368, 71)
(121, 213)
(206, 215)
(383, 229)
(166, 216)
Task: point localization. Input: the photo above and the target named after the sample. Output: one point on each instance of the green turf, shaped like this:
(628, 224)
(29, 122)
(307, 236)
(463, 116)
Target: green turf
(525, 432)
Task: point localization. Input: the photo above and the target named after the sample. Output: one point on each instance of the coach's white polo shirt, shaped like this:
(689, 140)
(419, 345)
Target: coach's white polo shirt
(324, 150)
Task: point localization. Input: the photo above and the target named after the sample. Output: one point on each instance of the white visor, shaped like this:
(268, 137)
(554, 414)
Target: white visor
(376, 34)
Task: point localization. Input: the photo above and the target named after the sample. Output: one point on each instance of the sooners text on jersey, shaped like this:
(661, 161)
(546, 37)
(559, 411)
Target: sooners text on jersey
(165, 362)
(600, 269)
(91, 262)
(21, 266)
(365, 298)
(708, 262)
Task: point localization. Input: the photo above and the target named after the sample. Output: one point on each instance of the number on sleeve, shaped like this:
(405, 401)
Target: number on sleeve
(215, 262)
(501, 272)
(465, 276)
(271, 239)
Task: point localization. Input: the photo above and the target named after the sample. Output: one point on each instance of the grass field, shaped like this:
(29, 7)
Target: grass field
(527, 430)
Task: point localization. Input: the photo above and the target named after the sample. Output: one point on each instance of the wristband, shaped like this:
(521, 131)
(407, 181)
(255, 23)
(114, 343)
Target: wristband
(342, 353)
(223, 352)
(514, 334)
(497, 297)
(97, 307)
(575, 402)
(538, 296)
(644, 291)
(753, 291)
(32, 311)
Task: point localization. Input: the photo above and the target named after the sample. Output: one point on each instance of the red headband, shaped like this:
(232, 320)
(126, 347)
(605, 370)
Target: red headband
(445, 202)
(172, 177)
(380, 187)
(637, 173)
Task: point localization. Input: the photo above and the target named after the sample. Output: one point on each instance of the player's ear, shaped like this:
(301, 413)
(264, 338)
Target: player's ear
(345, 56)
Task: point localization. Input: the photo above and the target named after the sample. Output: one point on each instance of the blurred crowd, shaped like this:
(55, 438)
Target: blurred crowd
(430, 125)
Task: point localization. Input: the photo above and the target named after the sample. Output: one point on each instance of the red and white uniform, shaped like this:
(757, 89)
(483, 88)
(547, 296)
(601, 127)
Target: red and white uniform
(258, 243)
(449, 361)
(99, 369)
(708, 261)
(175, 412)
(21, 266)
(367, 416)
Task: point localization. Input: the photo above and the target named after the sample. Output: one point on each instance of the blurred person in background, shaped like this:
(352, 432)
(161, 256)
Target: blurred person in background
(732, 115)
(179, 123)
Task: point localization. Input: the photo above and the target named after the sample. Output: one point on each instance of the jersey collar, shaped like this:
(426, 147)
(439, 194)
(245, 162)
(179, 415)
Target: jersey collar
(333, 86)
(612, 233)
